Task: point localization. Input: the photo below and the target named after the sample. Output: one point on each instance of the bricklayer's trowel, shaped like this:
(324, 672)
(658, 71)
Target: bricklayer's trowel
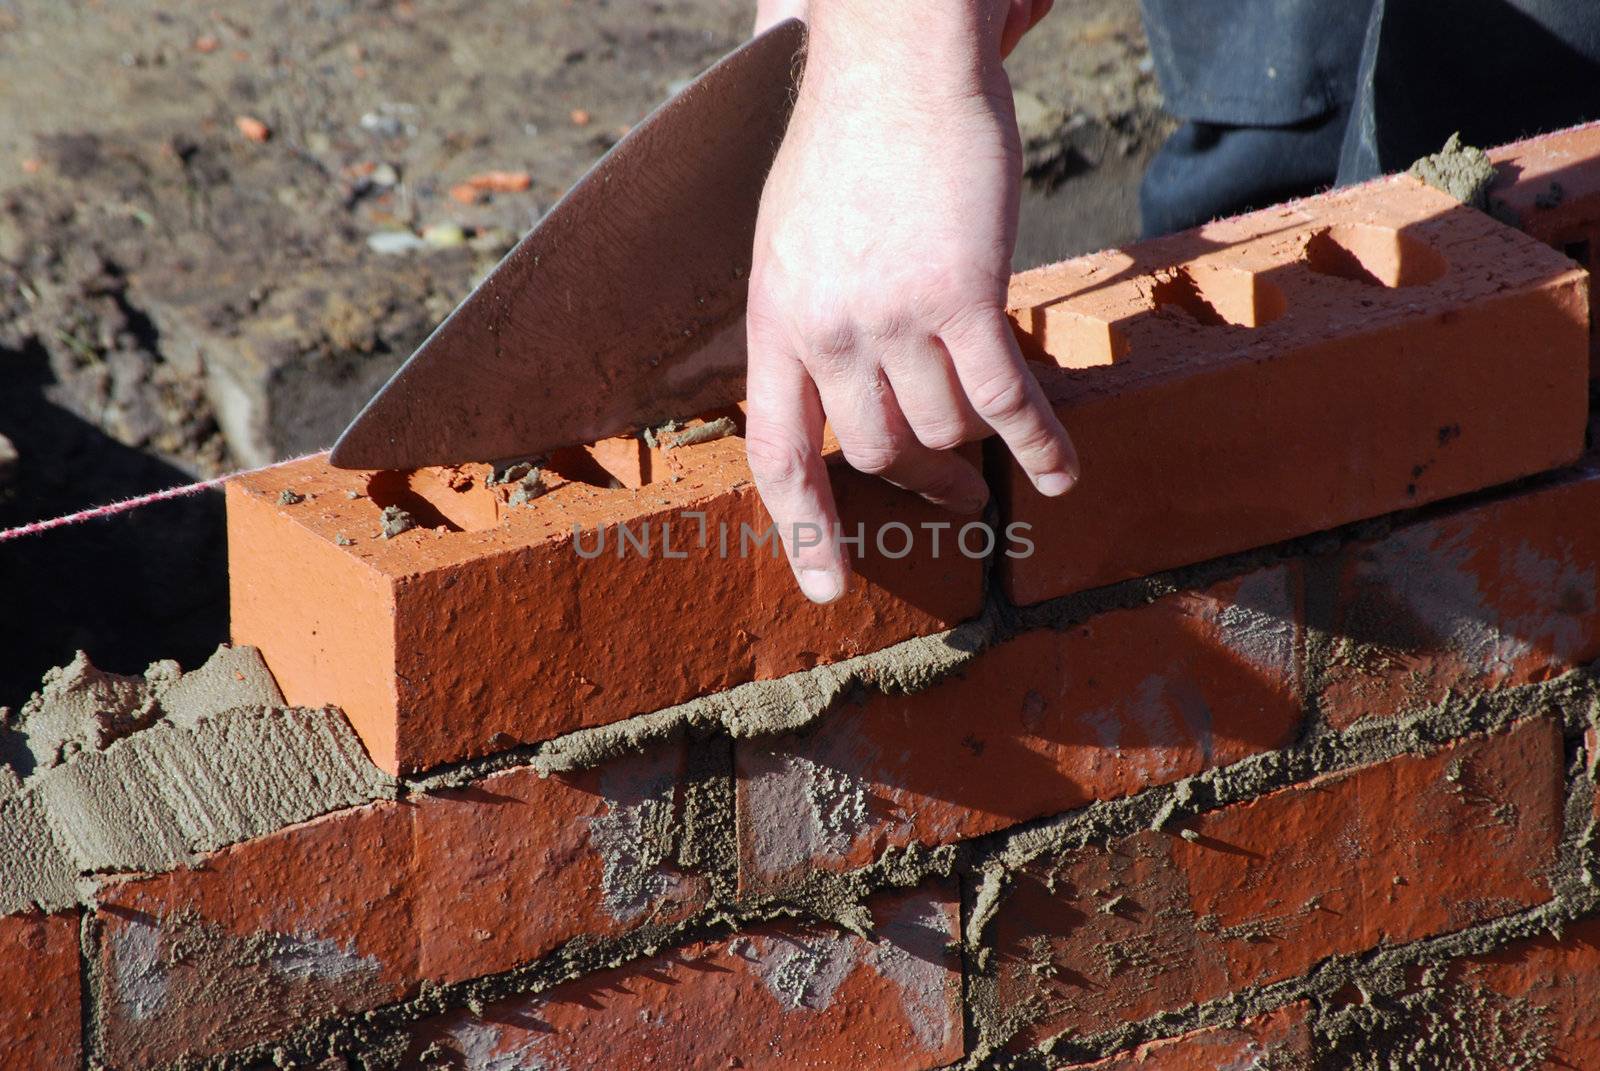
(623, 308)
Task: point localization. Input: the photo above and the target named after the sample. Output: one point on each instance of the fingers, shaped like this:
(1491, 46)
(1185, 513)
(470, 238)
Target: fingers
(783, 439)
(930, 395)
(1005, 394)
(876, 439)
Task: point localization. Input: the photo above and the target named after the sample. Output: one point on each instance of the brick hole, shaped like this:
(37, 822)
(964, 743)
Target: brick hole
(1373, 256)
(1067, 339)
(625, 461)
(1217, 297)
(436, 498)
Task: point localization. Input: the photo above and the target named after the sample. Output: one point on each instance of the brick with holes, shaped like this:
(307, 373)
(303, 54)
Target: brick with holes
(1289, 371)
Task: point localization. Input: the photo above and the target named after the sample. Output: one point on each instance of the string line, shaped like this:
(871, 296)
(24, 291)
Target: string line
(111, 509)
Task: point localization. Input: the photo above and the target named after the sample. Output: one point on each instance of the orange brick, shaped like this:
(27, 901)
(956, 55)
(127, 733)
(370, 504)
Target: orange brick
(357, 908)
(1381, 855)
(781, 996)
(491, 629)
(1550, 187)
(1289, 371)
(1497, 595)
(1281, 1038)
(1041, 724)
(40, 992)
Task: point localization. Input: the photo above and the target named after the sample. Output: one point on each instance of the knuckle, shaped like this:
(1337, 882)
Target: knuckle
(874, 458)
(774, 458)
(999, 396)
(941, 435)
(828, 334)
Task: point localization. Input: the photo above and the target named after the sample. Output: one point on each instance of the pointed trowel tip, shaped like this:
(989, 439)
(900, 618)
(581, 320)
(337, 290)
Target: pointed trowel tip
(356, 447)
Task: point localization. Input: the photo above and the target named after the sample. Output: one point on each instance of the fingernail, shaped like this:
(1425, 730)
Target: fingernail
(820, 585)
(1055, 483)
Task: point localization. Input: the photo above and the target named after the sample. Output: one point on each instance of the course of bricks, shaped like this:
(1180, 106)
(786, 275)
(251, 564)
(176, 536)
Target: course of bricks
(1279, 751)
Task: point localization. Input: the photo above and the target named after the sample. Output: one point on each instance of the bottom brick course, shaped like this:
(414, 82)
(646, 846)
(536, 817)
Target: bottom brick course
(40, 1002)
(786, 996)
(1261, 891)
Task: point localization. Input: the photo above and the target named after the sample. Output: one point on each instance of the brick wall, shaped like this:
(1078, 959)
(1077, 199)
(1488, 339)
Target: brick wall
(1278, 751)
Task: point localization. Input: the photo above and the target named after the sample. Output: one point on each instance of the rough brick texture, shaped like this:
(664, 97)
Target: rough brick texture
(1289, 371)
(1277, 1040)
(1041, 724)
(442, 644)
(1495, 595)
(40, 994)
(1550, 187)
(775, 997)
(1538, 995)
(355, 909)
(1261, 891)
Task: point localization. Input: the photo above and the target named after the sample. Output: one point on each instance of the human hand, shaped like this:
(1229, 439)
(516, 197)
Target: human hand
(881, 262)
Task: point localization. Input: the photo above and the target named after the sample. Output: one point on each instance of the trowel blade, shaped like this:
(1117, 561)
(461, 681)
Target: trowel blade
(624, 307)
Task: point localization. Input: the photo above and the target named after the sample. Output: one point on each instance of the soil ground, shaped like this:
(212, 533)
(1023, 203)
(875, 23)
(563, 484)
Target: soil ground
(146, 244)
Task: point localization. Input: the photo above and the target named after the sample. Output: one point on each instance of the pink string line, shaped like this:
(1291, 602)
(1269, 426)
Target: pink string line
(111, 509)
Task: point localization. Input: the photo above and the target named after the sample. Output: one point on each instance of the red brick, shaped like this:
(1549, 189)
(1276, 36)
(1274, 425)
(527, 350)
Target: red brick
(442, 644)
(40, 992)
(1407, 349)
(1539, 994)
(517, 864)
(1497, 595)
(780, 996)
(1381, 855)
(356, 909)
(1279, 1039)
(1550, 187)
(258, 939)
(1040, 724)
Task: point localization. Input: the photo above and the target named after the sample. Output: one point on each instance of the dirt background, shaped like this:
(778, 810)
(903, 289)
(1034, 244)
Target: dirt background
(178, 300)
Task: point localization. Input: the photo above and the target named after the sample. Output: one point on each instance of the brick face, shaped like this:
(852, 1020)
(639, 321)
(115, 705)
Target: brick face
(1277, 1041)
(1381, 855)
(357, 908)
(1272, 380)
(441, 645)
(776, 997)
(1491, 596)
(40, 993)
(1550, 186)
(261, 937)
(1041, 724)
(516, 864)
(1545, 989)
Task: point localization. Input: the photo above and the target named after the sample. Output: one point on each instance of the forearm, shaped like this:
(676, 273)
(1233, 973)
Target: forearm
(943, 49)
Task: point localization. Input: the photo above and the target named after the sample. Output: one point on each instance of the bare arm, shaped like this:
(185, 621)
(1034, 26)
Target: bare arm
(882, 256)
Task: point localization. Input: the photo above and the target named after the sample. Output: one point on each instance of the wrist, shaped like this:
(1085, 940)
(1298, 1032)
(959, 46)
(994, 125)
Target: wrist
(906, 52)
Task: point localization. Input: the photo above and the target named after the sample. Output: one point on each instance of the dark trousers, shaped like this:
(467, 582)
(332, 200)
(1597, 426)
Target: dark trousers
(1280, 98)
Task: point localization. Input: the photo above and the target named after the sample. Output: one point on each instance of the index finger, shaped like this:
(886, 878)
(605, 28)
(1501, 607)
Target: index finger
(783, 440)
(1004, 393)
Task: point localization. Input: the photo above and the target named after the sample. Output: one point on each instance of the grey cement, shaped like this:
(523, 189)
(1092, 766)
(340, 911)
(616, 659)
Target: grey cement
(211, 758)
